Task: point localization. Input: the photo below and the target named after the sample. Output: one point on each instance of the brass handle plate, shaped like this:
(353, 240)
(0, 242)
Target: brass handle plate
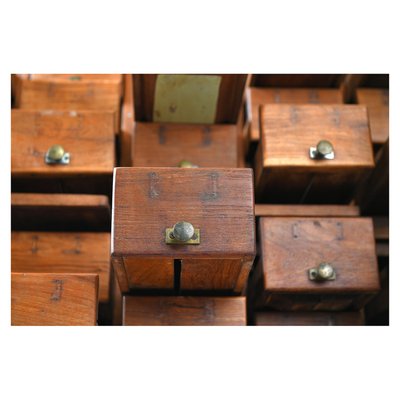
(324, 272)
(182, 233)
(57, 155)
(323, 151)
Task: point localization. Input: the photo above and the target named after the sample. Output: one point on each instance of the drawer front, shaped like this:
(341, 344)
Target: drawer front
(167, 145)
(184, 310)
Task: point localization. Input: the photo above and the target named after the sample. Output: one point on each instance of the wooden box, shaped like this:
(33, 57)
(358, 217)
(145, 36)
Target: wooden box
(189, 98)
(64, 94)
(63, 253)
(312, 153)
(312, 318)
(256, 97)
(377, 102)
(316, 263)
(53, 299)
(216, 202)
(88, 139)
(184, 310)
(167, 145)
(60, 212)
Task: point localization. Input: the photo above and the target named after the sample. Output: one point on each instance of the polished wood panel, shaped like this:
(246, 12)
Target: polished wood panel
(229, 99)
(70, 95)
(53, 299)
(315, 318)
(63, 253)
(290, 246)
(166, 145)
(62, 212)
(377, 102)
(184, 310)
(284, 171)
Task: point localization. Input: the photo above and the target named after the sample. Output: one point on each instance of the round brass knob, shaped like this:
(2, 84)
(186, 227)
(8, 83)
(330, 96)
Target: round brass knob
(324, 147)
(186, 164)
(56, 152)
(183, 231)
(324, 272)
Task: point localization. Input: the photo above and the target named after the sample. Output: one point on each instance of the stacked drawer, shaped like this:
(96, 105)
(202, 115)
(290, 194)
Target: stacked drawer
(192, 236)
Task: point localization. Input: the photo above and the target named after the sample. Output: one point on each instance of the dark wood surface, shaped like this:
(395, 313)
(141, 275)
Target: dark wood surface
(60, 212)
(63, 253)
(228, 105)
(315, 318)
(53, 299)
(70, 95)
(166, 145)
(377, 102)
(184, 310)
(297, 80)
(290, 246)
(373, 193)
(284, 171)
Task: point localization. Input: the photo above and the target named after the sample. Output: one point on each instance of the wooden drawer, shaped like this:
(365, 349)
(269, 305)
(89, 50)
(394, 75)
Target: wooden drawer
(292, 210)
(60, 212)
(63, 253)
(87, 137)
(185, 98)
(377, 102)
(292, 247)
(314, 318)
(285, 172)
(70, 95)
(53, 299)
(167, 145)
(183, 310)
(218, 202)
(115, 78)
(256, 97)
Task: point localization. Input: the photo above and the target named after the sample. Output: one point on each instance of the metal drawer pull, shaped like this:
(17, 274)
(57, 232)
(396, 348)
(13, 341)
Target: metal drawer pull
(182, 233)
(57, 155)
(323, 151)
(324, 272)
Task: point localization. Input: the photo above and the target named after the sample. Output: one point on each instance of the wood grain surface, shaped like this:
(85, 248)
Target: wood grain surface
(127, 123)
(291, 246)
(87, 136)
(228, 105)
(70, 95)
(284, 171)
(62, 212)
(166, 145)
(256, 97)
(217, 201)
(53, 299)
(377, 102)
(315, 318)
(180, 311)
(293, 210)
(63, 253)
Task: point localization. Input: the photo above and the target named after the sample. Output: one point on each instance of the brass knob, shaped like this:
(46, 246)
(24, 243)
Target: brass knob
(324, 272)
(323, 150)
(187, 164)
(183, 231)
(57, 155)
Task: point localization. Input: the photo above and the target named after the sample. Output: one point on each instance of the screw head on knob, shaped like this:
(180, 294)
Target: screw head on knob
(325, 271)
(183, 231)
